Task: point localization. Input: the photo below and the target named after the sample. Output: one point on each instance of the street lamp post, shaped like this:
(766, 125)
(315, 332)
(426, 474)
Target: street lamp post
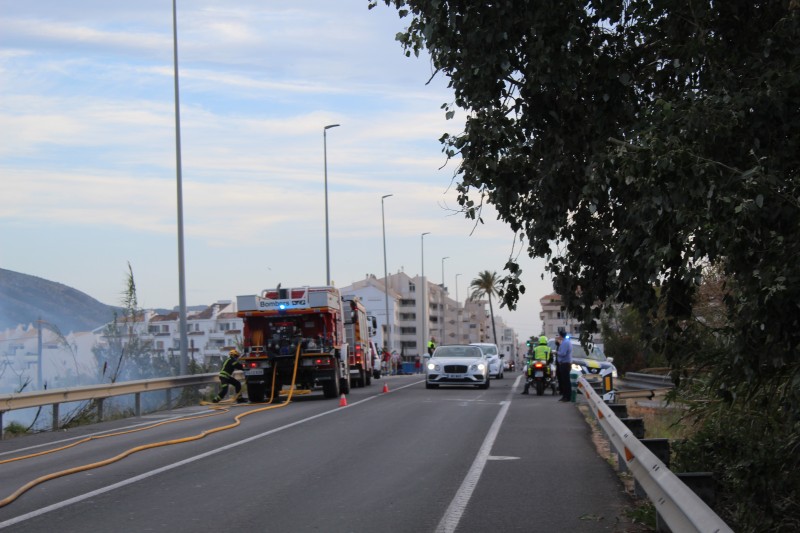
(388, 339)
(444, 306)
(424, 300)
(458, 315)
(184, 363)
(327, 241)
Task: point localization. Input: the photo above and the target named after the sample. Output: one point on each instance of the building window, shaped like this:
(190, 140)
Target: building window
(408, 331)
(412, 287)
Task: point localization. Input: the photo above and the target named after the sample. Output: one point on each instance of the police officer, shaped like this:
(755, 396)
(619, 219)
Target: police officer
(431, 346)
(564, 365)
(541, 352)
(226, 378)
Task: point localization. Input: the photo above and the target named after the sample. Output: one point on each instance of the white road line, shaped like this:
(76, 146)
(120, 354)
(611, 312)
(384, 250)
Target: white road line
(129, 481)
(452, 516)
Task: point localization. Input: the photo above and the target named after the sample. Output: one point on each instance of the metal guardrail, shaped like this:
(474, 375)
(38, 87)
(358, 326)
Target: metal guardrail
(677, 504)
(55, 397)
(649, 379)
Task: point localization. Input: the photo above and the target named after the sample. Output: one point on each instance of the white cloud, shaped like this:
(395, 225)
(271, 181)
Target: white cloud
(87, 142)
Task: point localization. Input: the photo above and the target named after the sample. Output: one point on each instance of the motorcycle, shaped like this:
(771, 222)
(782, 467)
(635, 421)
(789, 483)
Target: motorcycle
(541, 376)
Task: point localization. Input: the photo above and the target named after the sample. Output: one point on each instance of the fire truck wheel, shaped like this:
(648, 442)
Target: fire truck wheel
(367, 378)
(331, 388)
(255, 392)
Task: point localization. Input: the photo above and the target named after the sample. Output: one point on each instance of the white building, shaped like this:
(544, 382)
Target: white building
(555, 316)
(66, 360)
(211, 332)
(417, 319)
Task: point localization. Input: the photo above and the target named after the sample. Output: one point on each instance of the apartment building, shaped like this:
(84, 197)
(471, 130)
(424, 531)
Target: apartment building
(416, 318)
(211, 332)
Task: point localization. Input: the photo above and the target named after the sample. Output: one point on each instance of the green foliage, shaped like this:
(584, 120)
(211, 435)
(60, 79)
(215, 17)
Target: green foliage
(15, 429)
(624, 338)
(755, 460)
(634, 145)
(125, 355)
(626, 353)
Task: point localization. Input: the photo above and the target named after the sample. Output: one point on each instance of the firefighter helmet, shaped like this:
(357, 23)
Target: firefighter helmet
(234, 353)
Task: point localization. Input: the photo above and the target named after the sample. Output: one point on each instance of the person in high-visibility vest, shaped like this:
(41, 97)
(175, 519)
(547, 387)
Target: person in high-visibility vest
(541, 352)
(431, 346)
(226, 378)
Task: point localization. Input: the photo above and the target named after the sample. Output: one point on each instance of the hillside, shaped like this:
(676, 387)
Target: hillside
(24, 299)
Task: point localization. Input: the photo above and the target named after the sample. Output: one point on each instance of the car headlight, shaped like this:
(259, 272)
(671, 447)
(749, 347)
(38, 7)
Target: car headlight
(480, 366)
(577, 368)
(432, 366)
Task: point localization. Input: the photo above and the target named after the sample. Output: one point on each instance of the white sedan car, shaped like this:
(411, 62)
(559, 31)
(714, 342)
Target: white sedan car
(457, 364)
(492, 354)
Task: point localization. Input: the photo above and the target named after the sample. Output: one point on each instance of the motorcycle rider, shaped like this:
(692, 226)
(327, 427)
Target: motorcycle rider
(541, 352)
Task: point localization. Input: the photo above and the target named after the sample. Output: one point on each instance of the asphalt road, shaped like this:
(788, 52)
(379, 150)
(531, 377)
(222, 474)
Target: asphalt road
(410, 460)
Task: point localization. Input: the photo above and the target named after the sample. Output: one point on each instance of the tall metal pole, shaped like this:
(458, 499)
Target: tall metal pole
(388, 340)
(444, 306)
(327, 241)
(181, 267)
(424, 299)
(458, 315)
(39, 352)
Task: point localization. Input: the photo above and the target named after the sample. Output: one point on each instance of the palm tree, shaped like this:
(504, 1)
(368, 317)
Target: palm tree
(486, 284)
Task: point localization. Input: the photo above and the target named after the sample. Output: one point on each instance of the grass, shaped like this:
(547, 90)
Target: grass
(661, 422)
(14, 429)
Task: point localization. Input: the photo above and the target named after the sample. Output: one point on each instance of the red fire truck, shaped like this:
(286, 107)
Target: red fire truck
(295, 335)
(358, 332)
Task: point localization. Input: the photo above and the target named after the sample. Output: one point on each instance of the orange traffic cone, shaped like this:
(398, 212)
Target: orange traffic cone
(385, 387)
(342, 401)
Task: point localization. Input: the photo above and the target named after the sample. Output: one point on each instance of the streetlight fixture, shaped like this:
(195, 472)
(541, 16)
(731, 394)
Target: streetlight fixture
(424, 300)
(388, 339)
(458, 315)
(184, 363)
(327, 240)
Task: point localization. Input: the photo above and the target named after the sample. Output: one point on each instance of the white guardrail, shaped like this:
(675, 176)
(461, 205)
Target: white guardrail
(682, 509)
(55, 397)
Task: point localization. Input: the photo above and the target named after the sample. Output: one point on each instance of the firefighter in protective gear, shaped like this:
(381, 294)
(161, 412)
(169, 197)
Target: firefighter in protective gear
(226, 378)
(541, 352)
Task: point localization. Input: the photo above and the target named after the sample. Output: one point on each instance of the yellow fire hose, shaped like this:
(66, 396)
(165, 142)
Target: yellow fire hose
(219, 410)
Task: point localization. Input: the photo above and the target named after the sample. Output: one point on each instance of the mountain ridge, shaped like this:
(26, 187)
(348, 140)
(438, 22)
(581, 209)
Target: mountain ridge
(24, 299)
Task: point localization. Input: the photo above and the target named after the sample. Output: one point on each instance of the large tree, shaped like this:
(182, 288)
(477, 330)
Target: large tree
(633, 144)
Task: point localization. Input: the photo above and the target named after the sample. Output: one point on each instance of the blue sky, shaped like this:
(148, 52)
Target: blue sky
(87, 151)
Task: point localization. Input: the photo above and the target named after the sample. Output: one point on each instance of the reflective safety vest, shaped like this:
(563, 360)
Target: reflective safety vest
(229, 366)
(542, 352)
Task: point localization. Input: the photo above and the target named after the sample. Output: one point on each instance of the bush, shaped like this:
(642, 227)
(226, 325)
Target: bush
(755, 461)
(626, 353)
